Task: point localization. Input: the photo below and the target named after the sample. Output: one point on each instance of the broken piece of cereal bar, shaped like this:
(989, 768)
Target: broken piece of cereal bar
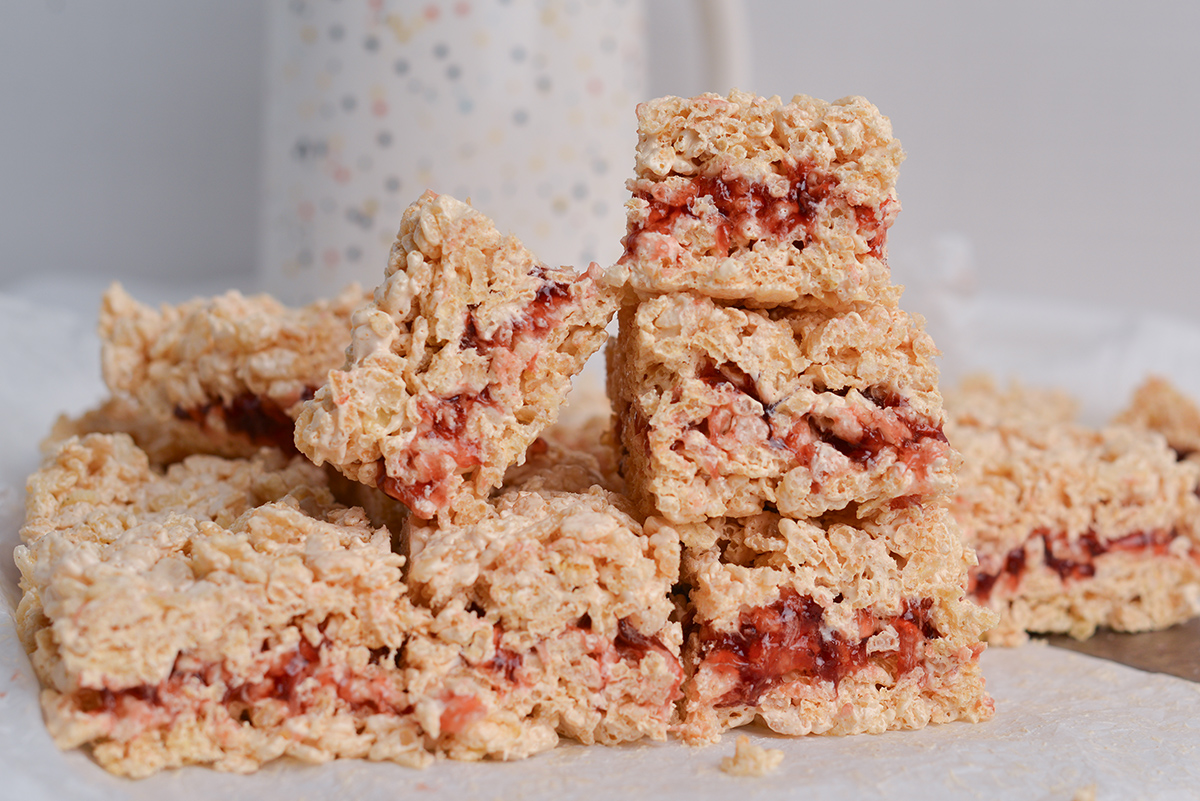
(762, 202)
(1074, 527)
(1157, 405)
(725, 411)
(464, 357)
(223, 375)
(829, 625)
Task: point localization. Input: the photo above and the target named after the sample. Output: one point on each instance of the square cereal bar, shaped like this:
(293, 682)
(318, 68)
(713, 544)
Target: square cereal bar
(464, 357)
(763, 202)
(223, 375)
(724, 412)
(829, 625)
(564, 591)
(1074, 527)
(227, 612)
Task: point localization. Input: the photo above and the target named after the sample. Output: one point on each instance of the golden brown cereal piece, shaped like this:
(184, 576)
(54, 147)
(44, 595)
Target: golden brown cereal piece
(762, 202)
(464, 357)
(723, 411)
(1074, 527)
(573, 602)
(751, 760)
(223, 375)
(834, 625)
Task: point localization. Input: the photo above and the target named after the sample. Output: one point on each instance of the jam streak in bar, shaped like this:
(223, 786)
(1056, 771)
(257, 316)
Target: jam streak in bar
(375, 691)
(261, 419)
(786, 641)
(746, 205)
(891, 426)
(442, 448)
(1071, 560)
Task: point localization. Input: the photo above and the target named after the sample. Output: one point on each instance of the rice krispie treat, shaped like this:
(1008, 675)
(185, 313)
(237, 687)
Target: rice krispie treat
(463, 358)
(829, 625)
(1074, 527)
(223, 375)
(762, 202)
(229, 612)
(575, 601)
(723, 411)
(1159, 406)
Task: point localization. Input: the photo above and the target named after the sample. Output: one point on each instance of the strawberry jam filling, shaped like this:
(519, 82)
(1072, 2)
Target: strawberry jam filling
(295, 678)
(543, 312)
(747, 210)
(786, 642)
(1071, 559)
(444, 446)
(441, 450)
(260, 419)
(861, 434)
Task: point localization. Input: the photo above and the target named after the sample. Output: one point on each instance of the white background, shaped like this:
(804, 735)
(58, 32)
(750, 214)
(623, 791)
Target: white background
(1051, 145)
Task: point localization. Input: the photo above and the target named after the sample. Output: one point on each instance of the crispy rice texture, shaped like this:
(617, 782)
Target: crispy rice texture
(464, 356)
(1158, 406)
(229, 612)
(764, 202)
(572, 598)
(723, 410)
(862, 582)
(1074, 527)
(162, 613)
(751, 760)
(223, 375)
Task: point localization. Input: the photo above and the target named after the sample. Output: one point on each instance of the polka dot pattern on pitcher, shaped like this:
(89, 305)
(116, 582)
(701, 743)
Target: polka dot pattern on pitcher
(524, 108)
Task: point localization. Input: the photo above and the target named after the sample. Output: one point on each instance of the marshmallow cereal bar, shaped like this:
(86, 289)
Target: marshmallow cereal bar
(763, 202)
(1074, 527)
(464, 356)
(723, 411)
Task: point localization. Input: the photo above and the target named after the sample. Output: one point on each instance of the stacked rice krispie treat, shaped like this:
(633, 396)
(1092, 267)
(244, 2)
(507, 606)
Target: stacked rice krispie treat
(1077, 527)
(224, 375)
(779, 414)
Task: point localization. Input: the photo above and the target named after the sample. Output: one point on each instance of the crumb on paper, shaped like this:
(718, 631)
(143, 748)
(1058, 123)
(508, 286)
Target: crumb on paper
(751, 760)
(1085, 793)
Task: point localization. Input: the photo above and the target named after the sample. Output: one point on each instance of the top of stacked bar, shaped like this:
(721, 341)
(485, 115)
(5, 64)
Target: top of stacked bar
(762, 202)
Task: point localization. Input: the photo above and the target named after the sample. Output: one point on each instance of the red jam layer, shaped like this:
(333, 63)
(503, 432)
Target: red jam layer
(441, 450)
(745, 206)
(892, 426)
(371, 693)
(260, 419)
(441, 447)
(1071, 560)
(786, 642)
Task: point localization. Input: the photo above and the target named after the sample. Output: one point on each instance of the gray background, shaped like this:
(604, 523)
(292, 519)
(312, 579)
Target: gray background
(1051, 145)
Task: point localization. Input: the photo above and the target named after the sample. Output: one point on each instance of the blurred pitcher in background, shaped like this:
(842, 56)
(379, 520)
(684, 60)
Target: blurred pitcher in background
(525, 108)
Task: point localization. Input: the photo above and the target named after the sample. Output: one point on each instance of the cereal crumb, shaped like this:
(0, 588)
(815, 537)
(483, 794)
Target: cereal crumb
(1086, 793)
(751, 760)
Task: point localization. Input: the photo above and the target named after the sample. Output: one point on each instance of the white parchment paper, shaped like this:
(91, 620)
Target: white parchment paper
(1065, 722)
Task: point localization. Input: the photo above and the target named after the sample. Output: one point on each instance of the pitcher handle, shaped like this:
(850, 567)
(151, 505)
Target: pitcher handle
(726, 38)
